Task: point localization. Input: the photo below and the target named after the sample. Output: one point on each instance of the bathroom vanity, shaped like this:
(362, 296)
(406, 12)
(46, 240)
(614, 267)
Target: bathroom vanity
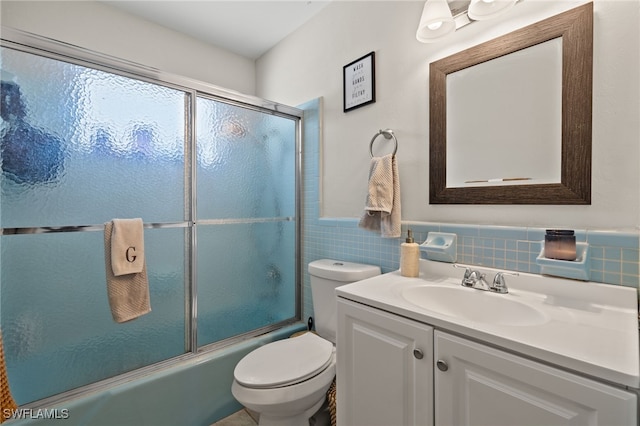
(426, 350)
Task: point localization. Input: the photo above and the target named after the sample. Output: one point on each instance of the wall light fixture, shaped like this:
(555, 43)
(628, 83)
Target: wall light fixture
(442, 17)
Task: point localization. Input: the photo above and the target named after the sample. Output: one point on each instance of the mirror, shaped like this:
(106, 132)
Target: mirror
(473, 128)
(525, 89)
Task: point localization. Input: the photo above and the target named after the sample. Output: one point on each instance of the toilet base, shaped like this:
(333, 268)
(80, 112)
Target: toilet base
(299, 420)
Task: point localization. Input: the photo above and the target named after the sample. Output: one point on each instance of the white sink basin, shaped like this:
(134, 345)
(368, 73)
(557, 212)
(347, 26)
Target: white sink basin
(474, 305)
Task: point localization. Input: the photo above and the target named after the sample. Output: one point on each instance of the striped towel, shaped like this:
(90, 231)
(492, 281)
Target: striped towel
(382, 208)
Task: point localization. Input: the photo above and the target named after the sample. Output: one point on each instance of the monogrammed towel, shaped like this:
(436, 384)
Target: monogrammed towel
(128, 293)
(127, 246)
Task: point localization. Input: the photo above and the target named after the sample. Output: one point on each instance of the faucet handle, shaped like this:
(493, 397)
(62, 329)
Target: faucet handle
(473, 279)
(499, 283)
(469, 276)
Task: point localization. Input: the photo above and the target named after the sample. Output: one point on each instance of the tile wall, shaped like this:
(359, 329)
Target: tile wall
(614, 256)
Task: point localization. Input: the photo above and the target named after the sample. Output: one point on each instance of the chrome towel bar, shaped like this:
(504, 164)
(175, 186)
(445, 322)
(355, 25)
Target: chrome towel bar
(159, 225)
(83, 228)
(388, 134)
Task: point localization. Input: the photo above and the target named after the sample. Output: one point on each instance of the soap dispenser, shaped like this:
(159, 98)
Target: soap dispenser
(409, 257)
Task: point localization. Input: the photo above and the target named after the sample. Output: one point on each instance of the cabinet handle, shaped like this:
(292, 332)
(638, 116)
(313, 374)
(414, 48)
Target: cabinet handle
(442, 366)
(417, 353)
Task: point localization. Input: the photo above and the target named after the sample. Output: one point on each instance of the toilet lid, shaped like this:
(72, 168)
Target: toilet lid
(284, 362)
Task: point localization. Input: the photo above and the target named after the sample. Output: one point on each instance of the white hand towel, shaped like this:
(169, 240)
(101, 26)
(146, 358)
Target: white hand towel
(127, 246)
(382, 209)
(128, 294)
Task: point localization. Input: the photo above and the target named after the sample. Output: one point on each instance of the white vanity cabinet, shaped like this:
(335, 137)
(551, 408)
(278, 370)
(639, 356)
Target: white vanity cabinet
(396, 371)
(479, 385)
(384, 370)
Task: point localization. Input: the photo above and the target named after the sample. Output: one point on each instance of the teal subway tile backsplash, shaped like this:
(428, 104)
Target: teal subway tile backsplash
(616, 263)
(502, 232)
(613, 239)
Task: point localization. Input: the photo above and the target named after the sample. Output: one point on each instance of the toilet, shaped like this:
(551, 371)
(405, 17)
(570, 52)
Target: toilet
(286, 381)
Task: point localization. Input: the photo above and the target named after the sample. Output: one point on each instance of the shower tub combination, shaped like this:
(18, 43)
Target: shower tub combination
(215, 178)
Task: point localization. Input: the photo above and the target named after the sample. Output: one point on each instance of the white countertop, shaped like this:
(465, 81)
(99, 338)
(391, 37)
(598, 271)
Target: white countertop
(590, 328)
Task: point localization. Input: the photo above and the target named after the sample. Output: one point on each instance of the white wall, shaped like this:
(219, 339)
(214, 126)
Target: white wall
(308, 64)
(107, 30)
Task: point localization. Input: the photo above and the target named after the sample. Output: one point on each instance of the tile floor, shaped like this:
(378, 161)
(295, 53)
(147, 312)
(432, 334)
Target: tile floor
(245, 418)
(240, 418)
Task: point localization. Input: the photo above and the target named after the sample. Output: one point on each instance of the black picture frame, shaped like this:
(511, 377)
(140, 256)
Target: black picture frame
(359, 82)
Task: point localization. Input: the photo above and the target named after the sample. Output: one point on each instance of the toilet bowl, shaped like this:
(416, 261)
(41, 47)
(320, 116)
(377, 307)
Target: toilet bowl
(286, 381)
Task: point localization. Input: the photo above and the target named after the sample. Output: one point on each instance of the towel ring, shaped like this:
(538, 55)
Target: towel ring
(388, 134)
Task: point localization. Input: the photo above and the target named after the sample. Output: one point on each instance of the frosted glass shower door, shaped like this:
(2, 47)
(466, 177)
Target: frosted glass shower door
(246, 220)
(81, 147)
(214, 180)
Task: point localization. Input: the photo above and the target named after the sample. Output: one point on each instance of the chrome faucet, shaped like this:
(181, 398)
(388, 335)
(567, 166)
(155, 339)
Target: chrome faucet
(476, 279)
(499, 284)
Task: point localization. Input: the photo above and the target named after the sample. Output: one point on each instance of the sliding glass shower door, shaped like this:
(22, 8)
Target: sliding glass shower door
(245, 221)
(81, 146)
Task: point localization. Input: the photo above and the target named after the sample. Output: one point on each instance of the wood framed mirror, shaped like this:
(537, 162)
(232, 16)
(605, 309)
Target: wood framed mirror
(574, 30)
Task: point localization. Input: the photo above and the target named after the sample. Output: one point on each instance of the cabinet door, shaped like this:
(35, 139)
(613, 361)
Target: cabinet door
(485, 386)
(384, 370)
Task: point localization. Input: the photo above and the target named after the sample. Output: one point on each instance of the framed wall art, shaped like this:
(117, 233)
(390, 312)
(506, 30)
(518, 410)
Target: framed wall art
(359, 82)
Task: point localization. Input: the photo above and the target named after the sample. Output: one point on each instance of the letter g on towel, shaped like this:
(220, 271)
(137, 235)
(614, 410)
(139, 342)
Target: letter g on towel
(131, 257)
(127, 246)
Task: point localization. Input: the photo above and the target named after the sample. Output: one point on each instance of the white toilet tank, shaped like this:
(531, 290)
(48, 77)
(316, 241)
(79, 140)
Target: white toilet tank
(326, 275)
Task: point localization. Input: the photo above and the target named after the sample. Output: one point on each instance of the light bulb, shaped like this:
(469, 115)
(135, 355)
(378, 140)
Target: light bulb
(435, 22)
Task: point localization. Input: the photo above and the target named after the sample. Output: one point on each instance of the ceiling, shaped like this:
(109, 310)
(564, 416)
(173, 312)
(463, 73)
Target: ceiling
(246, 27)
